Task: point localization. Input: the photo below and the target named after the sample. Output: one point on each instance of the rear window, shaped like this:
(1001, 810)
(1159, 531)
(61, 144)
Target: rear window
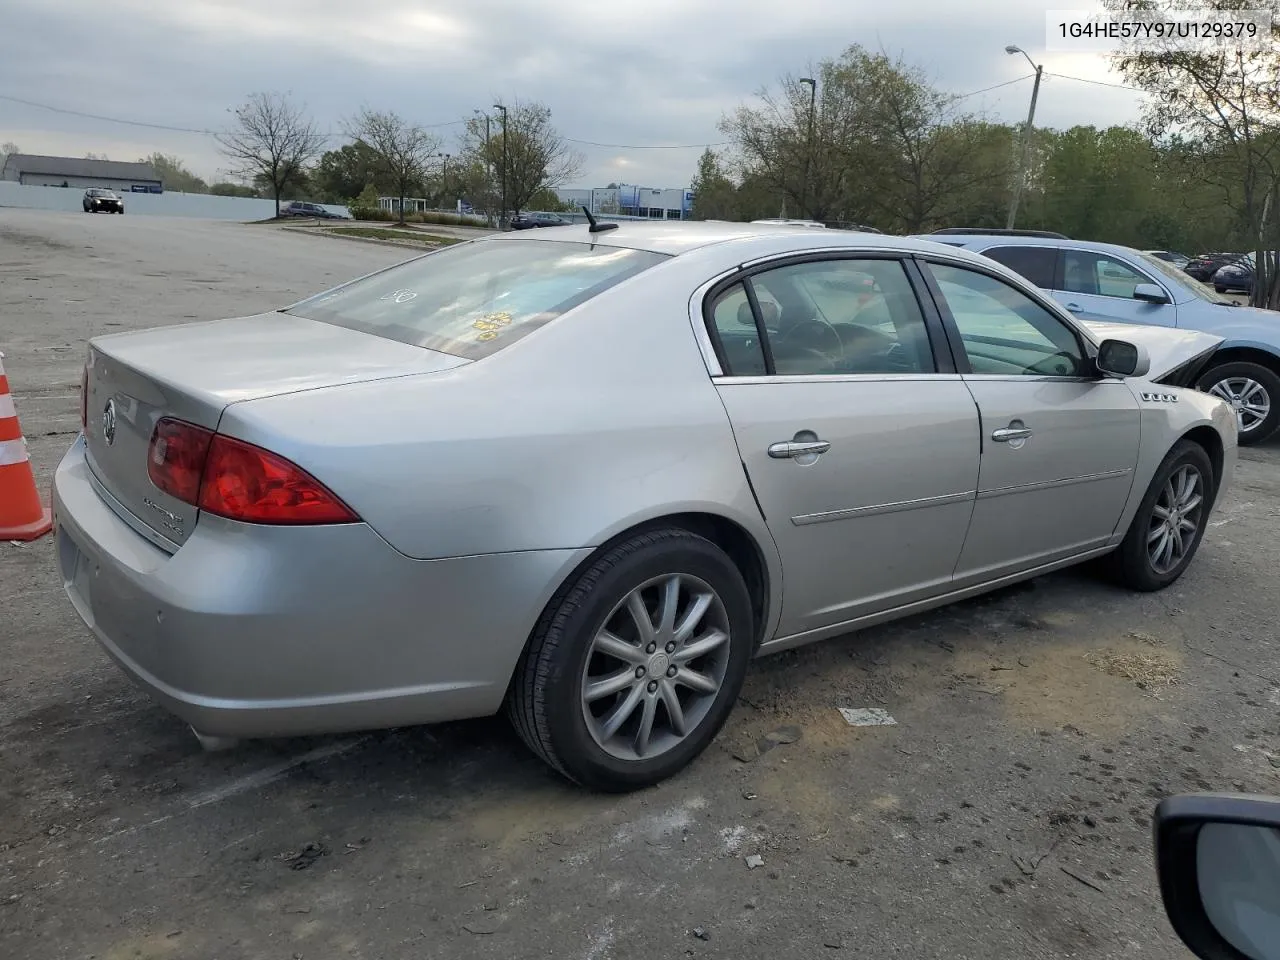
(1037, 264)
(476, 298)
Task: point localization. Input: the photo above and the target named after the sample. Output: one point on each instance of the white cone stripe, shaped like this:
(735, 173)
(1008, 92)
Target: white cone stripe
(7, 409)
(13, 451)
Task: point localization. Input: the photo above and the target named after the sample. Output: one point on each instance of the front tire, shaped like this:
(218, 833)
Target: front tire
(636, 663)
(1219, 289)
(1170, 522)
(1253, 391)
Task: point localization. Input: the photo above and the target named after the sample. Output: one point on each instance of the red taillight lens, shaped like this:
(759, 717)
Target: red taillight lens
(176, 458)
(247, 483)
(84, 398)
(237, 480)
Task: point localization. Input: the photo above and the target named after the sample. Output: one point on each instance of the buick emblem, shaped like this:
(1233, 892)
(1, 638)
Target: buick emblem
(109, 422)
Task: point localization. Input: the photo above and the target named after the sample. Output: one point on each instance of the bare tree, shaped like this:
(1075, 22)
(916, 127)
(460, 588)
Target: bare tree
(537, 157)
(272, 140)
(405, 152)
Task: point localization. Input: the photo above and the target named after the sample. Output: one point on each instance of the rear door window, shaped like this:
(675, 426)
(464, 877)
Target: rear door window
(1037, 264)
(473, 299)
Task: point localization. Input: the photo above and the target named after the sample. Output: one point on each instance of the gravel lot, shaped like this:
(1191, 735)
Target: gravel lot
(1005, 815)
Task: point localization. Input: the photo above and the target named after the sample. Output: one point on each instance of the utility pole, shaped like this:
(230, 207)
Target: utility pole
(502, 218)
(444, 174)
(1026, 138)
(808, 148)
(488, 167)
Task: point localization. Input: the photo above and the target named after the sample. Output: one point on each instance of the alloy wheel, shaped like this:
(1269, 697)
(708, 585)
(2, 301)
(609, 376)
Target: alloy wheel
(1175, 518)
(1247, 397)
(655, 667)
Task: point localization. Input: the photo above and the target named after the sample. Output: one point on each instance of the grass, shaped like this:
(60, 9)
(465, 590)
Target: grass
(396, 236)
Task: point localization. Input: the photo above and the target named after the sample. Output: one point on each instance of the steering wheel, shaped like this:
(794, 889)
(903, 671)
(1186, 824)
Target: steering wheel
(820, 324)
(1070, 362)
(807, 361)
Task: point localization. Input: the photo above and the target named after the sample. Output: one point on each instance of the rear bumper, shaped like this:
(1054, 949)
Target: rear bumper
(252, 631)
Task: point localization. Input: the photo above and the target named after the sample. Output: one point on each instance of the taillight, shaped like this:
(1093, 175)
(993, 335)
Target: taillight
(84, 398)
(176, 458)
(237, 480)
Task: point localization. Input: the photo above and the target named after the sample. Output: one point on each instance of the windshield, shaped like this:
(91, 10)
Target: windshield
(1184, 282)
(476, 298)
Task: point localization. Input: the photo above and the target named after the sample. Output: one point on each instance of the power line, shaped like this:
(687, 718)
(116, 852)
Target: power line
(96, 116)
(963, 96)
(649, 146)
(1100, 83)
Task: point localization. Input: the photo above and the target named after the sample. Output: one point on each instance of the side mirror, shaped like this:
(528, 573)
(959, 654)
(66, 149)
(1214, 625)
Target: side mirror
(1119, 358)
(1150, 293)
(1218, 860)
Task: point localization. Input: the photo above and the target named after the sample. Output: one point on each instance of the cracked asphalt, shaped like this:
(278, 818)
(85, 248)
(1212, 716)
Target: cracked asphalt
(1005, 815)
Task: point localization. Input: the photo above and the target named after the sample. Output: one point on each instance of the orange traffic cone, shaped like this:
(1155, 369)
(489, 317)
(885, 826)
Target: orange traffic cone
(22, 516)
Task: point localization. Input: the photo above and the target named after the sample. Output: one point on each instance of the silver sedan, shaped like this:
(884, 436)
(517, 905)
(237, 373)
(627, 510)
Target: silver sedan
(585, 475)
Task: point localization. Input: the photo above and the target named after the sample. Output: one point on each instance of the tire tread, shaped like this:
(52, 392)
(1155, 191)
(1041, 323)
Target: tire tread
(526, 703)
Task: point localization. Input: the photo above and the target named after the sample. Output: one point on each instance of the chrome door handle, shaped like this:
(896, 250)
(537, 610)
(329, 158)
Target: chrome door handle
(790, 449)
(1005, 434)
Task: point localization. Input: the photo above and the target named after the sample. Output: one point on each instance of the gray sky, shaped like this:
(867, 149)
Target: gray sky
(627, 72)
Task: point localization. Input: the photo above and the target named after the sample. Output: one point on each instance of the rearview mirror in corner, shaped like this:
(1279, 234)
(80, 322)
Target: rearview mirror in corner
(1218, 859)
(1119, 358)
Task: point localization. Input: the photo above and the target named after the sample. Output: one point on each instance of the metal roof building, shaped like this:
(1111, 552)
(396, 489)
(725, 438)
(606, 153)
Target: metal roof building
(40, 171)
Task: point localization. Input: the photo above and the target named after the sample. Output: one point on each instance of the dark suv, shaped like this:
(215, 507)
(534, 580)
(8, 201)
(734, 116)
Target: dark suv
(100, 200)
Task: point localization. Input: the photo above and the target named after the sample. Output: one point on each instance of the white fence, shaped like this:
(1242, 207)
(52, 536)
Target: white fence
(199, 205)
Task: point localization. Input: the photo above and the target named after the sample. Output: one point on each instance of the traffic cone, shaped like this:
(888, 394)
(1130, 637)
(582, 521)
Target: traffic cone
(22, 516)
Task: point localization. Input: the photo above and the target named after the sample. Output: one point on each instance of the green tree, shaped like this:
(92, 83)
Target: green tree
(225, 189)
(174, 174)
(343, 173)
(715, 195)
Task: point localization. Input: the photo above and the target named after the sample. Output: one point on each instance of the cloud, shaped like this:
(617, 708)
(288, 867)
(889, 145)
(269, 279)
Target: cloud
(628, 72)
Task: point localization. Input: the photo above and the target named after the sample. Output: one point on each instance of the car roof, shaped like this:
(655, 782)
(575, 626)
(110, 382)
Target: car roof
(675, 237)
(983, 241)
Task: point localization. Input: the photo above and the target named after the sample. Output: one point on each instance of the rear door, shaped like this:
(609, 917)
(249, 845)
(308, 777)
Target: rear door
(859, 437)
(1059, 445)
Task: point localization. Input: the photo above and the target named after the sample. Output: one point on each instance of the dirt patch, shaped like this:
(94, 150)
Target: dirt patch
(1148, 670)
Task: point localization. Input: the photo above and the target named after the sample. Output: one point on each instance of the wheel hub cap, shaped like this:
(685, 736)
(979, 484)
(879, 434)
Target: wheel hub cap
(655, 667)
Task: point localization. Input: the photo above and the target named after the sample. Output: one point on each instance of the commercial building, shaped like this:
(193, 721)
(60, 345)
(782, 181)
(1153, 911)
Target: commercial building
(38, 171)
(653, 203)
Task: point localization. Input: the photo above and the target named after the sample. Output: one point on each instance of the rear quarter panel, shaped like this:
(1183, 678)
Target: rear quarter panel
(603, 419)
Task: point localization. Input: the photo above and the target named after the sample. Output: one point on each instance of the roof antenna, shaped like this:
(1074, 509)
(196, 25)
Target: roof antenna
(597, 226)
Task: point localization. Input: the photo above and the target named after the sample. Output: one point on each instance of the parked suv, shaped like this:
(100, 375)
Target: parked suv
(299, 209)
(1109, 283)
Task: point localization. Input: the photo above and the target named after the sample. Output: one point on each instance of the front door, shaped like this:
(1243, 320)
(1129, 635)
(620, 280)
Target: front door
(1059, 445)
(1096, 286)
(862, 449)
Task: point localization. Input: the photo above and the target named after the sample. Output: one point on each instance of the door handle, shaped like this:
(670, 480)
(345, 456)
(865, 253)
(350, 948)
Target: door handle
(790, 449)
(1006, 434)
(1075, 307)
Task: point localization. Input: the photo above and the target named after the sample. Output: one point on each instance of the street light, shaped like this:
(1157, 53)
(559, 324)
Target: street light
(808, 149)
(1026, 136)
(502, 217)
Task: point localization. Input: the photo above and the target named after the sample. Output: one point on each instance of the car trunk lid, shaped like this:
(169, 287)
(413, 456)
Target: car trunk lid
(193, 373)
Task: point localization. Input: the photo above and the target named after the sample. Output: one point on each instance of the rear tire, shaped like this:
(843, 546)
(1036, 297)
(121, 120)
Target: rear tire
(1250, 382)
(1219, 289)
(1141, 561)
(591, 693)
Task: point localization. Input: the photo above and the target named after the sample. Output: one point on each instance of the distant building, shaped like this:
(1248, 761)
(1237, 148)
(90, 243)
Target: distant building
(70, 172)
(653, 203)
